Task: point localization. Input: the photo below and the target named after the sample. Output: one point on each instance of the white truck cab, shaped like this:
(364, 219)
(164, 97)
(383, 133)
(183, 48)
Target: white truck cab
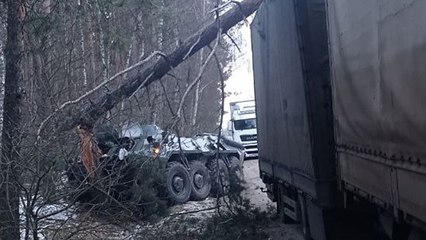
(242, 126)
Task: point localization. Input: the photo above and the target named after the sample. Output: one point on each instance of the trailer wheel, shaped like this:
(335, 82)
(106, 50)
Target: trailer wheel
(178, 183)
(200, 181)
(219, 174)
(236, 169)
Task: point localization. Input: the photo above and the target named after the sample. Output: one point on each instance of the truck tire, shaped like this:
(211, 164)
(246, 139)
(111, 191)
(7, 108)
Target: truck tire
(236, 169)
(219, 175)
(177, 183)
(200, 181)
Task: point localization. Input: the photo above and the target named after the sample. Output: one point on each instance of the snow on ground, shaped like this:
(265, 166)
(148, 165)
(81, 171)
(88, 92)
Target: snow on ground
(253, 187)
(260, 200)
(48, 215)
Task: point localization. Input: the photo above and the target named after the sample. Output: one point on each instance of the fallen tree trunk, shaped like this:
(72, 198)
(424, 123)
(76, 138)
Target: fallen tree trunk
(157, 68)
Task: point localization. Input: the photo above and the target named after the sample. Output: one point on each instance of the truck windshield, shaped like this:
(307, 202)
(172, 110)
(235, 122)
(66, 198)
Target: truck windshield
(245, 124)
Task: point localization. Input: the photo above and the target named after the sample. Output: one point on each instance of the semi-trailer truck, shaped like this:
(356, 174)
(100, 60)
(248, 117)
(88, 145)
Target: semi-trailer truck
(340, 87)
(242, 126)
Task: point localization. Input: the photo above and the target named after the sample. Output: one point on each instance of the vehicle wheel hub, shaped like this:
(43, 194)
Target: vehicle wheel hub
(177, 183)
(198, 180)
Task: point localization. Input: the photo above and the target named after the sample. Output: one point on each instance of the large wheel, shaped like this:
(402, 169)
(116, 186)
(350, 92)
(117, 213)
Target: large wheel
(219, 174)
(177, 183)
(200, 181)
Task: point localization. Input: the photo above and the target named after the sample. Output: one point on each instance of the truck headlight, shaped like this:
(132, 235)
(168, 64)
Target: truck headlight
(156, 148)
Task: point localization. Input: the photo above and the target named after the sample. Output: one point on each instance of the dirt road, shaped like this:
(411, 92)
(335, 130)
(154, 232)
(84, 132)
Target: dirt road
(277, 230)
(253, 186)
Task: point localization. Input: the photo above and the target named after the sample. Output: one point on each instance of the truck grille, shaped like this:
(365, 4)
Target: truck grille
(245, 138)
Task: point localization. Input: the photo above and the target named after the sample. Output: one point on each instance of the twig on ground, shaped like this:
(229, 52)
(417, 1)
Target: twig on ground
(195, 211)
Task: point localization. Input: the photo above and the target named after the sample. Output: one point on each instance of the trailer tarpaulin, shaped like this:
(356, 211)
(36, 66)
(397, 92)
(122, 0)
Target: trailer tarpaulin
(378, 52)
(293, 99)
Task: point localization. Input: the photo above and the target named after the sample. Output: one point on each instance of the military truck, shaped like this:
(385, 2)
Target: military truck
(340, 88)
(190, 168)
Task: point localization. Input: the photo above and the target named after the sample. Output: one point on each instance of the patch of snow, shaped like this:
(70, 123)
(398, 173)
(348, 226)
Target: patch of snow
(48, 216)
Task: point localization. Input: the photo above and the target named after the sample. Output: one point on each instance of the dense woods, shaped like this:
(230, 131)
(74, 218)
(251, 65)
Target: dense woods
(69, 47)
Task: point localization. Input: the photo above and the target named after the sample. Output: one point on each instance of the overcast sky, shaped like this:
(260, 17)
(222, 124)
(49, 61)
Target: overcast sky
(240, 82)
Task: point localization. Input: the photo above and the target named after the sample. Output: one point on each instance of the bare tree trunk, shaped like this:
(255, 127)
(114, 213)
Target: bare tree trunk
(131, 49)
(2, 63)
(91, 30)
(42, 64)
(103, 49)
(197, 88)
(158, 101)
(9, 192)
(82, 41)
(197, 96)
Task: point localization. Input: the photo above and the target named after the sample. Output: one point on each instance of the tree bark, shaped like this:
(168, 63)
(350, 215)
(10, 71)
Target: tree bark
(156, 69)
(197, 89)
(81, 16)
(103, 47)
(9, 192)
(2, 63)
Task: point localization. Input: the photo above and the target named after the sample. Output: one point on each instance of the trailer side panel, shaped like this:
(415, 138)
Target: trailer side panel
(378, 51)
(293, 99)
